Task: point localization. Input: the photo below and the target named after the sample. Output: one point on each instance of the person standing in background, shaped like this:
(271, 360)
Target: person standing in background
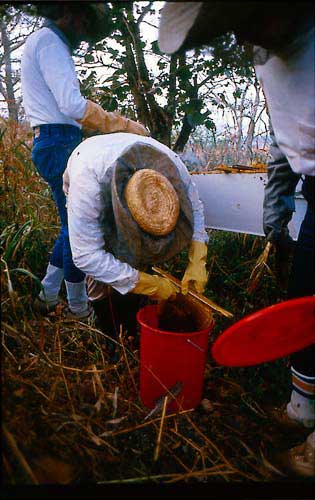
(57, 111)
(283, 43)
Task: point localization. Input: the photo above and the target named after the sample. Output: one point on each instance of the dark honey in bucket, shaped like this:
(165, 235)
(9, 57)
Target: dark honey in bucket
(183, 315)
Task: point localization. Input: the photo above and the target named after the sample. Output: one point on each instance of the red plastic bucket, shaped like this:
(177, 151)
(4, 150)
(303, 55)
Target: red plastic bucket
(170, 359)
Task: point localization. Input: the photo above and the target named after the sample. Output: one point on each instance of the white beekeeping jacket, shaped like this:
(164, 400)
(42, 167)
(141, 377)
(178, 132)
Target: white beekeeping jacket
(50, 87)
(288, 81)
(87, 168)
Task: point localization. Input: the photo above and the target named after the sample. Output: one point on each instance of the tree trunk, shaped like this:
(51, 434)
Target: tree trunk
(183, 136)
(171, 101)
(9, 86)
(194, 102)
(149, 112)
(252, 123)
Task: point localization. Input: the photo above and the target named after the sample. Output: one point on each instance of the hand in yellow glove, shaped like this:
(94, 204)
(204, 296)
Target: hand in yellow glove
(155, 287)
(96, 118)
(196, 275)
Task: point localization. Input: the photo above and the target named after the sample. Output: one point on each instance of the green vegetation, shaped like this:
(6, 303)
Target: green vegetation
(64, 403)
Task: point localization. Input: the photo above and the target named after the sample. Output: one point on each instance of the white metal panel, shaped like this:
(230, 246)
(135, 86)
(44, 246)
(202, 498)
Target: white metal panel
(234, 202)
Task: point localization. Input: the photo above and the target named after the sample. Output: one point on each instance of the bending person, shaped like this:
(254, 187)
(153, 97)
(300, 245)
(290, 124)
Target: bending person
(131, 204)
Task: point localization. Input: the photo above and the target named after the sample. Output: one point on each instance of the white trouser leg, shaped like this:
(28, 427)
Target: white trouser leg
(77, 297)
(51, 283)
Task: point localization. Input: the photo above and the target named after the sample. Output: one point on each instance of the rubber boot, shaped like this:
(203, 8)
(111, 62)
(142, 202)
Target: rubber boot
(48, 299)
(77, 300)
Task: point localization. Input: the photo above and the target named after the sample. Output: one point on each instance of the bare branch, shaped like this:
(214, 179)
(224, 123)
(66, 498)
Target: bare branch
(150, 24)
(146, 9)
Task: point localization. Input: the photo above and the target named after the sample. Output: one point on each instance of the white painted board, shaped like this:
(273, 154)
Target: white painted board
(234, 202)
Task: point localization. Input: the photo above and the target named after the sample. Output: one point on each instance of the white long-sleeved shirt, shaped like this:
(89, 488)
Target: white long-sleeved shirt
(50, 87)
(288, 82)
(87, 167)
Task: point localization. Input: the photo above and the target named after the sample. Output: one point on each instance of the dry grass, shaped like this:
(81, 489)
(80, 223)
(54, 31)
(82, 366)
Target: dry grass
(71, 416)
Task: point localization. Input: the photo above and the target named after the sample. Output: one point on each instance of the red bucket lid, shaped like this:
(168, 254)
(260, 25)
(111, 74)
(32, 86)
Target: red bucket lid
(271, 333)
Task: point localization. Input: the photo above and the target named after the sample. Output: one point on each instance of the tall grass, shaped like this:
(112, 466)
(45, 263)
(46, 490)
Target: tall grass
(28, 216)
(69, 414)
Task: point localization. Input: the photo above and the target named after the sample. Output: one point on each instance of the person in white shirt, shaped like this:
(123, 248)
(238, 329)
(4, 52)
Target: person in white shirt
(57, 111)
(111, 242)
(283, 40)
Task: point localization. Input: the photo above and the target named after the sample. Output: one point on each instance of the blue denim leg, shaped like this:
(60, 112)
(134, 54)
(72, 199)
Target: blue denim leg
(50, 155)
(62, 250)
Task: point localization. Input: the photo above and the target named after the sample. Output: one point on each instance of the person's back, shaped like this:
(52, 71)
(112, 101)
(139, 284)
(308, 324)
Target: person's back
(46, 62)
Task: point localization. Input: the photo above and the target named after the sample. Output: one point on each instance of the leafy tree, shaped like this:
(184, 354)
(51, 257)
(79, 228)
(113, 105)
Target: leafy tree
(171, 95)
(15, 26)
(176, 97)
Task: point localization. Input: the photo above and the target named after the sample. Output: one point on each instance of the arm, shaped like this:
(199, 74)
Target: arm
(85, 231)
(278, 209)
(58, 70)
(196, 274)
(279, 195)
(87, 242)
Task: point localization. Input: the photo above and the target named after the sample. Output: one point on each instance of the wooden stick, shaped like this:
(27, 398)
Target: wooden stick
(196, 295)
(260, 265)
(157, 449)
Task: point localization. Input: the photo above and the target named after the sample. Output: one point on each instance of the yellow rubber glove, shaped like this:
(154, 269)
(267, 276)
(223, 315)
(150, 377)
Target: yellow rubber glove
(96, 118)
(196, 275)
(155, 287)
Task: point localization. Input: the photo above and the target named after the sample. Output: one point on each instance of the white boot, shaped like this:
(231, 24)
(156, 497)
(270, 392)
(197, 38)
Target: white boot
(301, 409)
(52, 284)
(77, 299)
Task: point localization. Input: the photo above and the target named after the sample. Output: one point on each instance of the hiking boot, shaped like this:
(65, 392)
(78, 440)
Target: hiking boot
(84, 316)
(299, 460)
(43, 307)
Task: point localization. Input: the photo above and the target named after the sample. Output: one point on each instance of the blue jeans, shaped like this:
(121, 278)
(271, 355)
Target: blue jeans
(50, 154)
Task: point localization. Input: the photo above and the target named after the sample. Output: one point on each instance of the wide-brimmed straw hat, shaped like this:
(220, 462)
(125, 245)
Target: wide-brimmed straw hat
(148, 216)
(152, 202)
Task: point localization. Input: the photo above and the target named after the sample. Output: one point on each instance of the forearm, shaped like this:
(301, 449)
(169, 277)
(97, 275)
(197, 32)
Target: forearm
(96, 118)
(87, 246)
(102, 266)
(279, 203)
(85, 206)
(90, 257)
